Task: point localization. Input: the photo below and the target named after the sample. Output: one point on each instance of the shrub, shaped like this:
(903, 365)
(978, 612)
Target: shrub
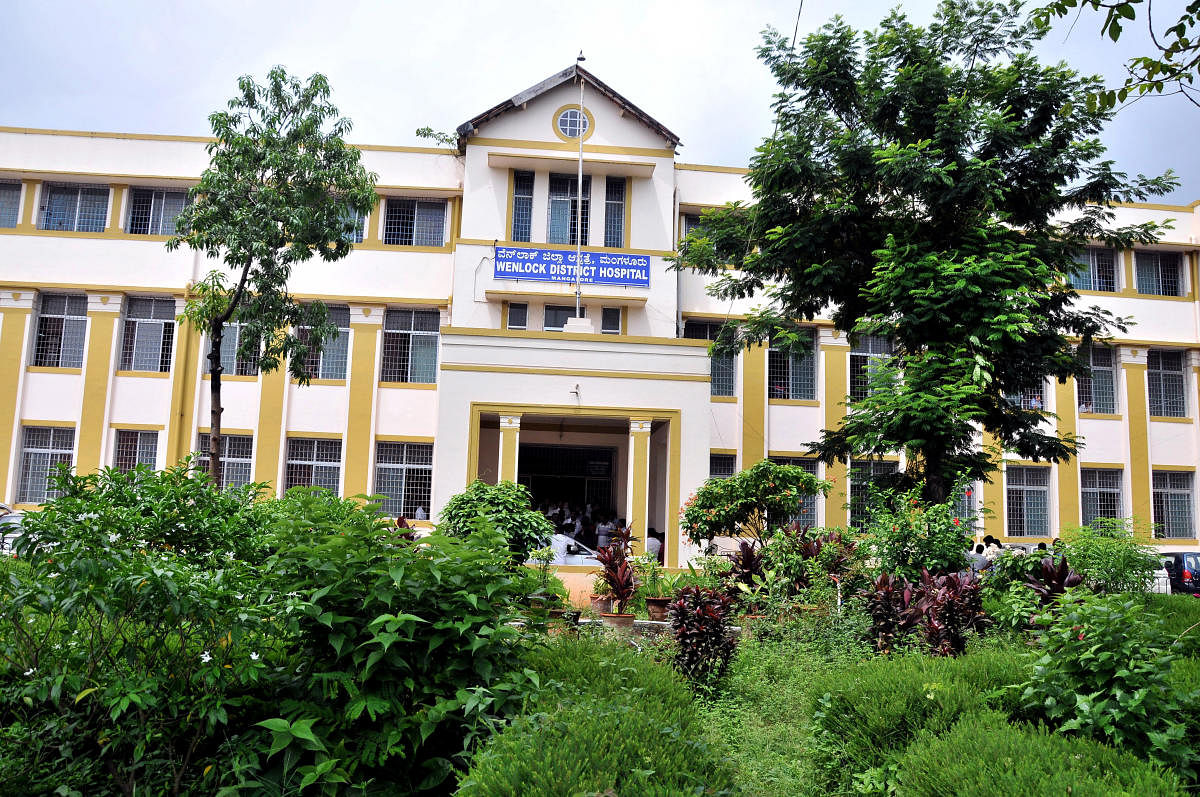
(809, 561)
(699, 621)
(1109, 557)
(942, 608)
(1014, 609)
(1051, 581)
(507, 506)
(1180, 615)
(1011, 566)
(984, 754)
(754, 502)
(906, 535)
(1102, 670)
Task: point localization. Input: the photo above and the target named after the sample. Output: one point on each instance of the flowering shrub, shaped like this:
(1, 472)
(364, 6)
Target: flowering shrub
(906, 535)
(753, 502)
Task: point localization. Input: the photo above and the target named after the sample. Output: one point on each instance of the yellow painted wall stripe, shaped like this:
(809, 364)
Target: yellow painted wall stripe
(183, 394)
(837, 380)
(1139, 440)
(510, 445)
(993, 493)
(270, 427)
(97, 373)
(754, 405)
(1068, 472)
(28, 220)
(639, 458)
(361, 409)
(12, 344)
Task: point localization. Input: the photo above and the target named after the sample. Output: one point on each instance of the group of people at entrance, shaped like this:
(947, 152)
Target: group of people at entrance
(592, 526)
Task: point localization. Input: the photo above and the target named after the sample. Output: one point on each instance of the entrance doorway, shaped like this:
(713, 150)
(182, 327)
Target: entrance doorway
(575, 475)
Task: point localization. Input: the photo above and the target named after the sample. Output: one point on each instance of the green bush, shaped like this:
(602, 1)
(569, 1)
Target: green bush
(1109, 557)
(984, 755)
(1011, 566)
(908, 535)
(507, 506)
(610, 718)
(1180, 615)
(753, 502)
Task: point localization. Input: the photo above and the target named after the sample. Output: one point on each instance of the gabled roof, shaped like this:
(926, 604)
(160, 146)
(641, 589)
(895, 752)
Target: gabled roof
(468, 128)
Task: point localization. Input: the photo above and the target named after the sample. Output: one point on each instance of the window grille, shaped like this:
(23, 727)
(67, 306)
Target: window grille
(415, 222)
(61, 330)
(964, 506)
(1159, 273)
(522, 210)
(791, 375)
(404, 473)
(1100, 493)
(135, 448)
(691, 221)
(518, 315)
(722, 367)
(1165, 384)
(806, 514)
(1173, 504)
(869, 352)
(721, 466)
(237, 457)
(614, 211)
(74, 208)
(555, 316)
(313, 463)
(10, 202)
(148, 334)
(1028, 494)
(562, 226)
(1097, 390)
(153, 212)
(232, 361)
(1031, 398)
(610, 321)
(862, 474)
(43, 449)
(410, 346)
(572, 123)
(330, 362)
(1097, 270)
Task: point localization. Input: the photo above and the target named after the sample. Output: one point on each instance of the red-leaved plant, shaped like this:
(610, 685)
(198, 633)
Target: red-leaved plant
(942, 608)
(618, 573)
(700, 621)
(1051, 581)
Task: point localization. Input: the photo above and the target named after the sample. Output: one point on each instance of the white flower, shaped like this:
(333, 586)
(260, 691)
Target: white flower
(205, 657)
(253, 657)
(29, 672)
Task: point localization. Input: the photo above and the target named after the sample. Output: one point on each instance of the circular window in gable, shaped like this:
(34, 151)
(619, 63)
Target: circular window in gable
(570, 124)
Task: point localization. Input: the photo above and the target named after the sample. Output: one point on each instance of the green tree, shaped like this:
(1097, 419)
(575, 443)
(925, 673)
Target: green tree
(281, 187)
(932, 185)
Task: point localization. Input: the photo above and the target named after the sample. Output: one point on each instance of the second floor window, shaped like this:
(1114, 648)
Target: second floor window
(148, 334)
(1159, 273)
(564, 209)
(153, 212)
(10, 201)
(410, 346)
(232, 362)
(330, 362)
(61, 329)
(1097, 270)
(237, 457)
(74, 208)
(518, 315)
(1165, 385)
(614, 211)
(1031, 398)
(522, 207)
(869, 351)
(1097, 391)
(791, 375)
(722, 367)
(415, 222)
(555, 316)
(610, 321)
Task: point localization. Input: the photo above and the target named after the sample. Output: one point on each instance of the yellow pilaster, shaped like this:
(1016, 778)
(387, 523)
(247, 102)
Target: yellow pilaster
(361, 407)
(115, 206)
(375, 224)
(1130, 279)
(28, 220)
(754, 405)
(269, 437)
(639, 481)
(183, 393)
(1139, 439)
(671, 538)
(103, 312)
(1068, 472)
(836, 363)
(510, 446)
(13, 323)
(993, 492)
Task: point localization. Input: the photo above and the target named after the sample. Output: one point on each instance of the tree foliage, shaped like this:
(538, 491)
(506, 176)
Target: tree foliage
(282, 187)
(933, 185)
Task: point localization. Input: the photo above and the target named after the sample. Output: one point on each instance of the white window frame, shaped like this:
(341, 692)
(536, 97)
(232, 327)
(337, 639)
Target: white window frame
(419, 204)
(1016, 478)
(72, 338)
(1167, 485)
(79, 189)
(394, 330)
(145, 449)
(158, 209)
(311, 457)
(159, 316)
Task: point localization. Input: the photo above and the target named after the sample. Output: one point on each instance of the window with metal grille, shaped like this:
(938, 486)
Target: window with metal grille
(1164, 382)
(410, 346)
(135, 448)
(10, 202)
(555, 317)
(518, 315)
(721, 466)
(148, 334)
(691, 221)
(1173, 504)
(330, 362)
(1028, 501)
(1097, 390)
(61, 329)
(861, 475)
(564, 208)
(1031, 398)
(614, 211)
(610, 321)
(153, 211)
(1100, 493)
(964, 506)
(404, 473)
(352, 216)
(572, 123)
(74, 208)
(806, 512)
(1159, 273)
(522, 206)
(43, 448)
(313, 463)
(415, 222)
(1097, 270)
(722, 367)
(868, 352)
(792, 375)
(236, 454)
(232, 361)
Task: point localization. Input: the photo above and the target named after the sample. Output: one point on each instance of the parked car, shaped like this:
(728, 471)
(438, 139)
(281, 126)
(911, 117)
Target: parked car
(1183, 570)
(569, 552)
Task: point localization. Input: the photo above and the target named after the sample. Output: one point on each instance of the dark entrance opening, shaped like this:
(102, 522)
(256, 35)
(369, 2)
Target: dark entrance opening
(577, 475)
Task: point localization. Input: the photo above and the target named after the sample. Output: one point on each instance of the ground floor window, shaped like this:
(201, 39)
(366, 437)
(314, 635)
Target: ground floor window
(721, 466)
(237, 456)
(1028, 501)
(1173, 504)
(43, 448)
(404, 474)
(862, 474)
(313, 463)
(806, 512)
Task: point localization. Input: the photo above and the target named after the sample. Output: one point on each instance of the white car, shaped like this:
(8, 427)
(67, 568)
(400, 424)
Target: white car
(569, 552)
(10, 528)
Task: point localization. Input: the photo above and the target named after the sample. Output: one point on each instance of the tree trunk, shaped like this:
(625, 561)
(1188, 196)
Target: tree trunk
(216, 333)
(937, 489)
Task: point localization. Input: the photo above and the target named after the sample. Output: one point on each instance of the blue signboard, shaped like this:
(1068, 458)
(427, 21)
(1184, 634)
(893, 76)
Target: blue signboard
(557, 265)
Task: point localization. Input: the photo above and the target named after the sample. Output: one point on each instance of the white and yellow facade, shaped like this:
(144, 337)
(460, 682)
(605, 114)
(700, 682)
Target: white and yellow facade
(634, 386)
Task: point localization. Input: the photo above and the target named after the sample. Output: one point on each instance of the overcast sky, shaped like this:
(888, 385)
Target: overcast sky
(161, 67)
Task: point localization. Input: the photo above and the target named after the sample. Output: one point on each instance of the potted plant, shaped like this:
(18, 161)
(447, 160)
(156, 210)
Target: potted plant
(656, 587)
(622, 582)
(601, 597)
